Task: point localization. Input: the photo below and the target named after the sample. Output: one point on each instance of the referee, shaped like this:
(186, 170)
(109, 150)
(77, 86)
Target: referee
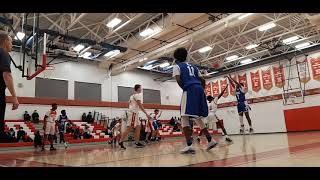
(5, 80)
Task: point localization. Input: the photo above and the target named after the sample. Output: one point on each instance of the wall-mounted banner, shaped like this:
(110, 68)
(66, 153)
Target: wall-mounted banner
(243, 79)
(215, 88)
(223, 84)
(303, 69)
(233, 89)
(267, 79)
(208, 89)
(255, 81)
(315, 66)
(279, 78)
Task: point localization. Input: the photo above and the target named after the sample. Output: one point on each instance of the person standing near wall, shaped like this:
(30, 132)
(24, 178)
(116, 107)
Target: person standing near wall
(6, 80)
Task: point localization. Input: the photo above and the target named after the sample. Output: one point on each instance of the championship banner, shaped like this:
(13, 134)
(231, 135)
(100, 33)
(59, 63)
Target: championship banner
(233, 89)
(223, 84)
(208, 90)
(243, 79)
(255, 81)
(303, 69)
(278, 74)
(267, 79)
(315, 66)
(215, 88)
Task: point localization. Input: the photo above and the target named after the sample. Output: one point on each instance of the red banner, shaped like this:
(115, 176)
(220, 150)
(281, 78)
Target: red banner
(243, 79)
(215, 88)
(233, 89)
(267, 79)
(315, 66)
(279, 78)
(208, 90)
(223, 84)
(304, 70)
(255, 81)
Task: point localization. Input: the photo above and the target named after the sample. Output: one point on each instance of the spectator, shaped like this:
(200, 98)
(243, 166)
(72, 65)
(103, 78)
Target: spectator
(77, 133)
(172, 121)
(26, 116)
(89, 118)
(35, 117)
(37, 139)
(21, 134)
(69, 128)
(84, 117)
(87, 133)
(11, 135)
(113, 123)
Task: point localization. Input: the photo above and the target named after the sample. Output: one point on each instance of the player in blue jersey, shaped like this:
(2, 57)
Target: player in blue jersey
(242, 104)
(193, 102)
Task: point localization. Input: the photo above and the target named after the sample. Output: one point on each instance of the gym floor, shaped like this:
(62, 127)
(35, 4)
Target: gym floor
(259, 150)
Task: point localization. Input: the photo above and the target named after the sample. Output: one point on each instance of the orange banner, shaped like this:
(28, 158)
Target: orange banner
(267, 79)
(255, 81)
(233, 89)
(243, 79)
(223, 84)
(278, 74)
(208, 90)
(215, 88)
(304, 71)
(315, 66)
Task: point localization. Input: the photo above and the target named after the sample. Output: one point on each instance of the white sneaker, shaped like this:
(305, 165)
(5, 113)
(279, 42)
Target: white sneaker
(187, 149)
(212, 144)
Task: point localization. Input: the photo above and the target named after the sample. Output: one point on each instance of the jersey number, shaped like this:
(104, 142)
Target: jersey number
(191, 71)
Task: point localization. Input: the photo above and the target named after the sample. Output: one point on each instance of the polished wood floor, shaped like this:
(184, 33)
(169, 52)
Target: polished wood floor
(281, 149)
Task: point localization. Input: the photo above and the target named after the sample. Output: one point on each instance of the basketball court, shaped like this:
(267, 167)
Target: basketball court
(90, 63)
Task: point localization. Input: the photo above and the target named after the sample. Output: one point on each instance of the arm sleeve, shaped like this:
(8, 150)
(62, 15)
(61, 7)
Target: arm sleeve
(175, 71)
(4, 61)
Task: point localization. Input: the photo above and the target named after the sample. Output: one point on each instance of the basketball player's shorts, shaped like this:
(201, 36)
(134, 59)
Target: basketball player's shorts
(149, 126)
(243, 107)
(194, 102)
(155, 125)
(133, 119)
(50, 128)
(116, 133)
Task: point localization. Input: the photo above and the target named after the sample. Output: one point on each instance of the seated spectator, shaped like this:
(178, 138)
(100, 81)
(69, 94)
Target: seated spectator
(84, 117)
(26, 116)
(87, 133)
(69, 127)
(89, 118)
(77, 133)
(172, 122)
(37, 139)
(11, 135)
(21, 134)
(35, 117)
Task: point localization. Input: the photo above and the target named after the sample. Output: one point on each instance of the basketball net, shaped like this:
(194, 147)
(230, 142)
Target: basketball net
(47, 74)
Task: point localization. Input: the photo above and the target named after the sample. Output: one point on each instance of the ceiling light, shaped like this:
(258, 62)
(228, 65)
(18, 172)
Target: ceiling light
(85, 50)
(87, 55)
(244, 16)
(20, 36)
(231, 58)
(112, 53)
(290, 39)
(78, 47)
(251, 46)
(246, 61)
(212, 73)
(142, 59)
(302, 45)
(146, 32)
(205, 49)
(114, 22)
(184, 42)
(149, 67)
(163, 65)
(267, 26)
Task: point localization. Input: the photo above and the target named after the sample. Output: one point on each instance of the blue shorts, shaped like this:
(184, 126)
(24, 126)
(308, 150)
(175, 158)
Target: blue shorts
(155, 126)
(194, 102)
(242, 107)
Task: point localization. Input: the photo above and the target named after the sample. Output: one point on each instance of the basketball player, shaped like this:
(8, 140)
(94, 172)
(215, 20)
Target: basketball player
(63, 118)
(116, 132)
(49, 126)
(135, 103)
(155, 129)
(213, 118)
(193, 102)
(242, 104)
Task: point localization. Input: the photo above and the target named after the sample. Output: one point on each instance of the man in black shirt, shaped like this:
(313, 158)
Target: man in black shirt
(5, 79)
(35, 116)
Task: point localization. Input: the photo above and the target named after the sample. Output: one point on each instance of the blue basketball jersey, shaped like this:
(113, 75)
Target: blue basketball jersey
(189, 74)
(240, 94)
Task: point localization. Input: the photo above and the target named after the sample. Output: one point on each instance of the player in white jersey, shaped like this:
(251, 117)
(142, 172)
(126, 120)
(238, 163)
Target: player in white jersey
(135, 103)
(213, 118)
(49, 126)
(116, 131)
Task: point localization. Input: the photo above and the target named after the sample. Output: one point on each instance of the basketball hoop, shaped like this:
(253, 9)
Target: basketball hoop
(47, 74)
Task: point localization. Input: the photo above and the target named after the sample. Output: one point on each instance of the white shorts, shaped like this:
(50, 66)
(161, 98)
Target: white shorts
(116, 133)
(133, 119)
(149, 126)
(50, 128)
